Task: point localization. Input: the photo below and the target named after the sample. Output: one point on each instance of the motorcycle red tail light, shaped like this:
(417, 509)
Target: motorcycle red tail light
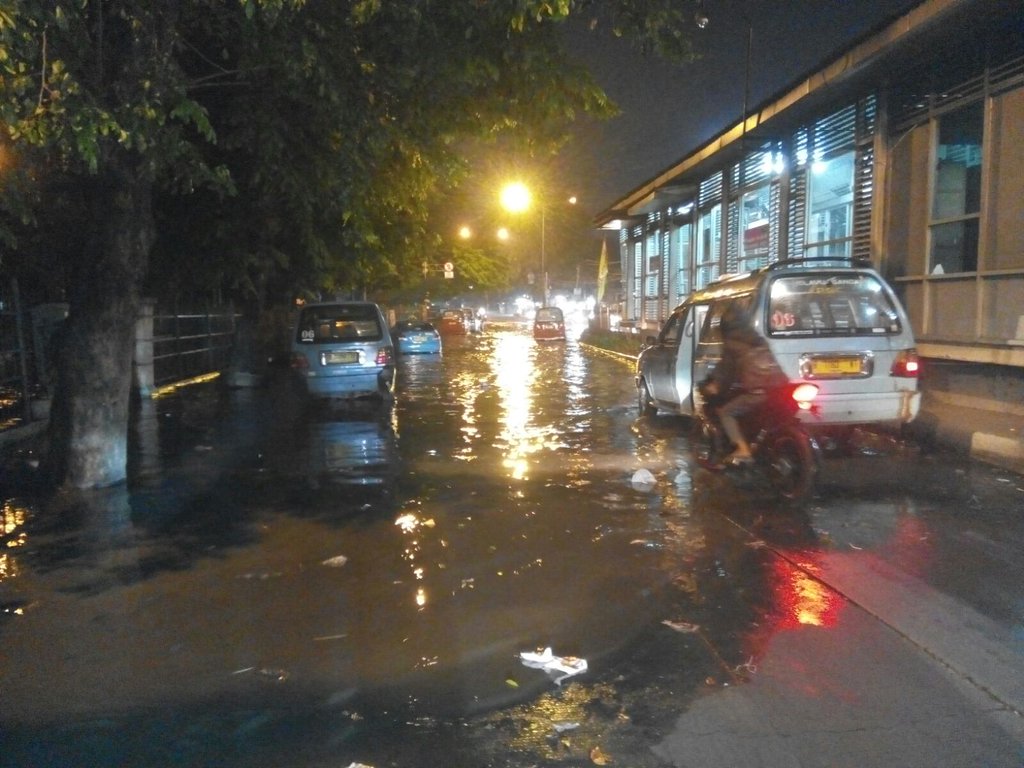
(907, 365)
(804, 394)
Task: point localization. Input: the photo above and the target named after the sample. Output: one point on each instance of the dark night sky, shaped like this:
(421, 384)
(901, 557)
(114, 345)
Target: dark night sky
(669, 110)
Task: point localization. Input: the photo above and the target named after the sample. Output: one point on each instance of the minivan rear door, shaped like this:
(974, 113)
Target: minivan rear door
(692, 319)
(661, 365)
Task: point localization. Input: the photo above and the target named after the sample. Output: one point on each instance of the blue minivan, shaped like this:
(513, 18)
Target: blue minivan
(344, 350)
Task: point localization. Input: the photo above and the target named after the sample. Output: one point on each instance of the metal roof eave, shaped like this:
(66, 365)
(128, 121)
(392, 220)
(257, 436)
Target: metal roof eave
(836, 78)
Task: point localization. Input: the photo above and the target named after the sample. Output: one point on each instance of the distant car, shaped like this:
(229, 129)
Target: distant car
(474, 322)
(452, 323)
(344, 350)
(416, 337)
(549, 324)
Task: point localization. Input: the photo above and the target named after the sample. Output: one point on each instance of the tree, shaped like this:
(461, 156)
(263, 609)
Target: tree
(300, 141)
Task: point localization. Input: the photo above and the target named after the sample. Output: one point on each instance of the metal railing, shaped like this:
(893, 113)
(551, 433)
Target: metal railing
(191, 344)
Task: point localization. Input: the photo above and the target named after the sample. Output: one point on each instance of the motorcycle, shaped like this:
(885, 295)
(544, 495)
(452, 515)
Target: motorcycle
(783, 450)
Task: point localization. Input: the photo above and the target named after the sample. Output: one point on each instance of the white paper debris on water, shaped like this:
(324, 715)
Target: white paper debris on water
(681, 626)
(562, 727)
(335, 562)
(560, 666)
(643, 478)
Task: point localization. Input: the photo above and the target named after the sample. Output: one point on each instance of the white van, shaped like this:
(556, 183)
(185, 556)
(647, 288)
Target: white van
(840, 326)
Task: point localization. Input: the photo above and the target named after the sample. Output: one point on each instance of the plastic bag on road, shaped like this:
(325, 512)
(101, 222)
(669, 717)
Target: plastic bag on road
(561, 666)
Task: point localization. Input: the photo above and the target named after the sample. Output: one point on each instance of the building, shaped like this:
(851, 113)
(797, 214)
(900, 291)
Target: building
(906, 149)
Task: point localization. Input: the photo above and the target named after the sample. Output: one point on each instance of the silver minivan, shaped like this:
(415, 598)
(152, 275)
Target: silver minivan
(344, 349)
(837, 324)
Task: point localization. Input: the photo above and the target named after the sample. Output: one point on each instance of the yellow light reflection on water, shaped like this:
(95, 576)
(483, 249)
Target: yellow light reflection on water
(516, 377)
(12, 522)
(13, 518)
(411, 524)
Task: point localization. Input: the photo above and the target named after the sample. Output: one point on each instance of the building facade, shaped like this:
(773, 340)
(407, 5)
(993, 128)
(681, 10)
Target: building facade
(906, 150)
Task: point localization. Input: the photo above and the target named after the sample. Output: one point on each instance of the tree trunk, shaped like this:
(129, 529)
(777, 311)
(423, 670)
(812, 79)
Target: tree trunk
(88, 445)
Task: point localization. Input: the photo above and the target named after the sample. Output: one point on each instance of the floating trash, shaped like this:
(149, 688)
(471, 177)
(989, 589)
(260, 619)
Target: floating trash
(564, 726)
(644, 479)
(562, 666)
(681, 626)
(335, 562)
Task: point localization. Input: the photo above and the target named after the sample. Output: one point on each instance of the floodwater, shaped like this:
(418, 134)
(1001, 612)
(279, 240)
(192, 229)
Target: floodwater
(287, 585)
(274, 570)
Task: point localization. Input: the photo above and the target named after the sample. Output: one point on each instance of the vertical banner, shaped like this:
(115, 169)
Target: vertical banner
(602, 270)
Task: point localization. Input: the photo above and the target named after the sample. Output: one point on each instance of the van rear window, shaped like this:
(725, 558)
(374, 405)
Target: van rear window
(831, 305)
(339, 323)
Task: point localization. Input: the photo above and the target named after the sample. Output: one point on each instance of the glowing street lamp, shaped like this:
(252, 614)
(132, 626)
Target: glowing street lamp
(515, 198)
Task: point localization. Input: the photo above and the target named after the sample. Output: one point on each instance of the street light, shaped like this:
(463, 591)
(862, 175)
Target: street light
(515, 198)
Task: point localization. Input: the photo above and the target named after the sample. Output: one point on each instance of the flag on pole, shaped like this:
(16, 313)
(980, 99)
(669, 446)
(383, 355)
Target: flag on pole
(602, 270)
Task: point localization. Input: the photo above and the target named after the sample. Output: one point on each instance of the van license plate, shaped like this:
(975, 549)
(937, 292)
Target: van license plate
(836, 366)
(341, 358)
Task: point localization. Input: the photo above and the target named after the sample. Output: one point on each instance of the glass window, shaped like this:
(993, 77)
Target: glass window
(956, 192)
(831, 305)
(338, 323)
(830, 207)
(755, 229)
(681, 255)
(673, 330)
(709, 245)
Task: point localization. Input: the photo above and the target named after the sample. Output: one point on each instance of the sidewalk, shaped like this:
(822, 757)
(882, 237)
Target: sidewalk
(986, 434)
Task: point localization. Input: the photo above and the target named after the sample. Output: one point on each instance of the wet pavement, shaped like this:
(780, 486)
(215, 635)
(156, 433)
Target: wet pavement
(285, 585)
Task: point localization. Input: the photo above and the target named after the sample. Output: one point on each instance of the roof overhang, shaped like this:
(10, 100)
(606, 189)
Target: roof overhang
(874, 58)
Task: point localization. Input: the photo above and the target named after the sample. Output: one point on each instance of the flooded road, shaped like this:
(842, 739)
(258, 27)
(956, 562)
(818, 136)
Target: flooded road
(286, 585)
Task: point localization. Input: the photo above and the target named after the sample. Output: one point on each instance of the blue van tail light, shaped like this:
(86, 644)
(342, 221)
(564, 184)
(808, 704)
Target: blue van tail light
(907, 365)
(299, 362)
(385, 355)
(804, 395)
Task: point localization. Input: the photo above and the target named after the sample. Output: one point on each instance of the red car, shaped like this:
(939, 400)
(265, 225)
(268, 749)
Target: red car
(549, 324)
(452, 323)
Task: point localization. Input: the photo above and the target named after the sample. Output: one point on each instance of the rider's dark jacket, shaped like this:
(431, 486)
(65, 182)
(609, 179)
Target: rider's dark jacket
(747, 364)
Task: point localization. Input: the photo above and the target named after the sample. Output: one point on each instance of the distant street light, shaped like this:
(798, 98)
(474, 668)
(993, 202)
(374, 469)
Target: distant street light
(465, 232)
(515, 198)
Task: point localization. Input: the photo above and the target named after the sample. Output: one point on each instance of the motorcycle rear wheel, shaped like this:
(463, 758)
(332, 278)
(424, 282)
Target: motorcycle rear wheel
(791, 464)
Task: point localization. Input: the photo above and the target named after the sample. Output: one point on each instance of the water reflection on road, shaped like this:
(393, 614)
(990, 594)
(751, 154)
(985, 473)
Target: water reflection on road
(288, 585)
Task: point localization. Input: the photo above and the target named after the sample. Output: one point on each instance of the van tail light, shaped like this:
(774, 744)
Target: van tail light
(907, 365)
(299, 362)
(385, 355)
(804, 395)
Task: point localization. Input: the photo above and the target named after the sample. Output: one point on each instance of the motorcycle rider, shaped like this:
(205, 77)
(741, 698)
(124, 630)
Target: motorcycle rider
(740, 381)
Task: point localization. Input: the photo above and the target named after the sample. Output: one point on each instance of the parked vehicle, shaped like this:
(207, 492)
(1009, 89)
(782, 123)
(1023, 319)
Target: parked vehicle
(343, 350)
(452, 323)
(783, 450)
(416, 337)
(833, 322)
(549, 324)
